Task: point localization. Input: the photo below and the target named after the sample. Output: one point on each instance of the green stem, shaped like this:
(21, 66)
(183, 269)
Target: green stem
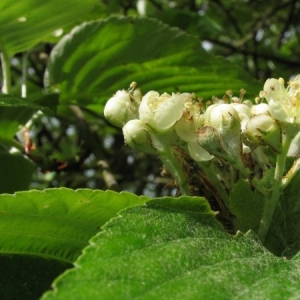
(238, 165)
(164, 145)
(174, 166)
(271, 202)
(5, 62)
(12, 143)
(24, 75)
(215, 181)
(256, 184)
(291, 173)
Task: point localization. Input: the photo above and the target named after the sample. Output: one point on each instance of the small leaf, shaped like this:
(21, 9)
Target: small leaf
(165, 251)
(246, 205)
(56, 223)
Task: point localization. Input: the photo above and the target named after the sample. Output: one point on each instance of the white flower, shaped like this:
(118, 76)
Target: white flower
(191, 120)
(160, 112)
(120, 109)
(284, 103)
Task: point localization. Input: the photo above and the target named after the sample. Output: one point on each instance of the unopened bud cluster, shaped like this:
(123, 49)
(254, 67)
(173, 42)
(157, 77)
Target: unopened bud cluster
(221, 141)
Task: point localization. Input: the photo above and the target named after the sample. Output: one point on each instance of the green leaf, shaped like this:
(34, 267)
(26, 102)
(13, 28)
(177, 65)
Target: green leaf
(46, 103)
(169, 250)
(119, 50)
(246, 205)
(56, 223)
(25, 23)
(191, 22)
(15, 172)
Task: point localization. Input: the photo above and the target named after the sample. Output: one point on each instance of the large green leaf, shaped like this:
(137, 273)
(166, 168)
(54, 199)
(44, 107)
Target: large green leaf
(56, 223)
(25, 23)
(175, 249)
(100, 57)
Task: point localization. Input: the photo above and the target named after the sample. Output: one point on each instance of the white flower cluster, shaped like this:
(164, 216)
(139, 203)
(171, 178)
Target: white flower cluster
(230, 130)
(211, 146)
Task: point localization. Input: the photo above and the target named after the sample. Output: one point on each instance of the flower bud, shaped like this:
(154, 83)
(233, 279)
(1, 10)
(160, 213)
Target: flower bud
(249, 103)
(137, 137)
(261, 108)
(160, 112)
(137, 96)
(224, 116)
(208, 138)
(120, 109)
(264, 130)
(226, 120)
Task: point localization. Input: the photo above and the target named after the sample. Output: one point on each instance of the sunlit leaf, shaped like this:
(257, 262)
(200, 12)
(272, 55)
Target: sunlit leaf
(171, 250)
(25, 23)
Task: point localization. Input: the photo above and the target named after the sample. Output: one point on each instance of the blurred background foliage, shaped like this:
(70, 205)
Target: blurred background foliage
(78, 148)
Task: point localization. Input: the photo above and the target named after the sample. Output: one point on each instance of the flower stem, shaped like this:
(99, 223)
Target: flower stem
(291, 173)
(174, 166)
(164, 144)
(24, 75)
(215, 181)
(271, 202)
(5, 62)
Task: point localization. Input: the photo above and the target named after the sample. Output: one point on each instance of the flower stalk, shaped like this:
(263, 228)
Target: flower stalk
(5, 62)
(272, 201)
